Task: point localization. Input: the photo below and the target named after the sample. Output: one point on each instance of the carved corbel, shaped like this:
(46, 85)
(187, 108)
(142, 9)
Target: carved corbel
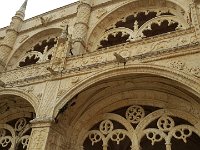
(45, 20)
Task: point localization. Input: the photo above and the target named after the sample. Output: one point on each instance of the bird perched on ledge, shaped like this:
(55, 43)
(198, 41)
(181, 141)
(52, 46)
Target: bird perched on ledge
(51, 70)
(2, 84)
(120, 59)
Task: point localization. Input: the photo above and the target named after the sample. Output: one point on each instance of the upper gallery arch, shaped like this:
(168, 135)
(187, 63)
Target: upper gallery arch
(35, 49)
(136, 20)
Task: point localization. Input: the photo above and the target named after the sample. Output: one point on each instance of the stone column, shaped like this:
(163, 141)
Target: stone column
(40, 133)
(81, 27)
(168, 146)
(194, 18)
(105, 147)
(12, 33)
(9, 40)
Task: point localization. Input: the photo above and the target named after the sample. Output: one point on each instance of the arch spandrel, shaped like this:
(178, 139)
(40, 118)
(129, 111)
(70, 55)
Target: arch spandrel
(177, 7)
(30, 42)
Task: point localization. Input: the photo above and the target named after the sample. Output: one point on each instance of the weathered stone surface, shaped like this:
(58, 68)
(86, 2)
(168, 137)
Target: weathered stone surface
(65, 89)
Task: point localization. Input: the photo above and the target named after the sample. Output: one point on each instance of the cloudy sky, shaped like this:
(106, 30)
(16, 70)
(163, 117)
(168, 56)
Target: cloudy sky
(34, 7)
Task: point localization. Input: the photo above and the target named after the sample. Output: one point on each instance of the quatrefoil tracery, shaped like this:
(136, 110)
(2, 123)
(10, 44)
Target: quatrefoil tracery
(165, 130)
(165, 123)
(134, 114)
(106, 127)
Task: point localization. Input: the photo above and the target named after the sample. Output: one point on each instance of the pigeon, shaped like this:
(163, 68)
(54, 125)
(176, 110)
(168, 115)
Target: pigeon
(51, 70)
(2, 84)
(120, 59)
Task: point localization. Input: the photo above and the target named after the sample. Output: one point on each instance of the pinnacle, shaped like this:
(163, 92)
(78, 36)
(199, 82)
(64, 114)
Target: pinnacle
(23, 7)
(21, 11)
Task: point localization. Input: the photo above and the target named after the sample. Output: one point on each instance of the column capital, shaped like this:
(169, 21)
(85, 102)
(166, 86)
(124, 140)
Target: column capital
(42, 122)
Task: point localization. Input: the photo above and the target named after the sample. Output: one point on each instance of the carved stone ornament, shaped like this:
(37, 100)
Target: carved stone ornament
(61, 93)
(101, 12)
(75, 79)
(136, 126)
(13, 136)
(179, 65)
(25, 37)
(61, 50)
(45, 20)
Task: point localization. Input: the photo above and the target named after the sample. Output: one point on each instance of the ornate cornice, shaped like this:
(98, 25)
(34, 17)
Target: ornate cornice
(104, 58)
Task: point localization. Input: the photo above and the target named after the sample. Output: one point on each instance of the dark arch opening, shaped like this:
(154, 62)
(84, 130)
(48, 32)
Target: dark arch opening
(17, 113)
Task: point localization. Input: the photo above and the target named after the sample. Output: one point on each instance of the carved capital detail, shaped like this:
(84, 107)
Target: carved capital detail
(42, 121)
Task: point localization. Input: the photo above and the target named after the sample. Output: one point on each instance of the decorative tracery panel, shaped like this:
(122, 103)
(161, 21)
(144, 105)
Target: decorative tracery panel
(140, 25)
(141, 127)
(15, 134)
(39, 53)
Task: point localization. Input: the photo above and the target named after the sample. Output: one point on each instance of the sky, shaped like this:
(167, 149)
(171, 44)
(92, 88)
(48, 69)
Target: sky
(8, 8)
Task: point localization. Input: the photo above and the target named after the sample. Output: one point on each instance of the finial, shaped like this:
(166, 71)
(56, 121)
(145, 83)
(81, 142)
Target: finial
(21, 11)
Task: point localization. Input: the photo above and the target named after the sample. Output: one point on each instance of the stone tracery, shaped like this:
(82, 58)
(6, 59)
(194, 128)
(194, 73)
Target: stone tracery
(136, 127)
(39, 53)
(15, 127)
(15, 136)
(140, 25)
(166, 127)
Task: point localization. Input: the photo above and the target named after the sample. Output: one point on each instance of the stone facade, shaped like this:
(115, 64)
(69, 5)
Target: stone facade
(103, 75)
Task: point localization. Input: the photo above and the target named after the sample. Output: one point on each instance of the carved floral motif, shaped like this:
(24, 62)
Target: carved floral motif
(61, 93)
(37, 139)
(25, 37)
(101, 12)
(179, 65)
(45, 20)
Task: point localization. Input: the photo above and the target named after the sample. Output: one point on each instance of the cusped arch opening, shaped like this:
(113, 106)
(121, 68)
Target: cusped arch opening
(140, 127)
(16, 112)
(142, 19)
(36, 49)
